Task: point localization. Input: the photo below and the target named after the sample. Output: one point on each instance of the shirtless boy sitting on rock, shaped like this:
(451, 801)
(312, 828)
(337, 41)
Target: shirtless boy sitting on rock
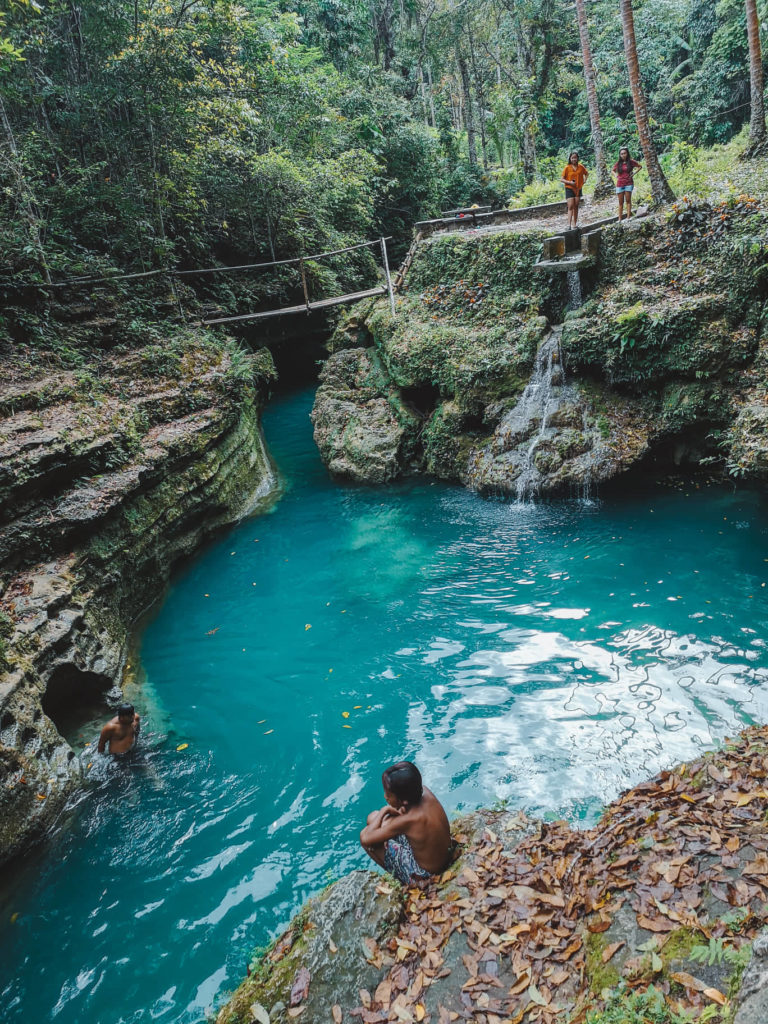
(410, 837)
(121, 732)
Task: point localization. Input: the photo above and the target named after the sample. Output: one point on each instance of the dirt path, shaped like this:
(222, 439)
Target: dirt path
(552, 224)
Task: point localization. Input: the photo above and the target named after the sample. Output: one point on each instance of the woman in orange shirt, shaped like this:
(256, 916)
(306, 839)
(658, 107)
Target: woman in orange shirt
(573, 177)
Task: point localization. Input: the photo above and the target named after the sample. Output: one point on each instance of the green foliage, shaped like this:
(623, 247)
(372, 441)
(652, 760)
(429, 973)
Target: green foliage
(6, 630)
(649, 1007)
(718, 951)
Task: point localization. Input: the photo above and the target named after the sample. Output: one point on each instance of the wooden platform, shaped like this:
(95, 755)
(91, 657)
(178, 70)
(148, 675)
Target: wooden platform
(337, 300)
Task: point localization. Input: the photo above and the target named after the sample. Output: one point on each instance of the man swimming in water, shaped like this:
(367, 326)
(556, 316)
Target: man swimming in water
(410, 837)
(121, 732)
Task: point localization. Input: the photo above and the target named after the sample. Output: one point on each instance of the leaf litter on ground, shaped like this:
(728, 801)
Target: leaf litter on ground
(526, 913)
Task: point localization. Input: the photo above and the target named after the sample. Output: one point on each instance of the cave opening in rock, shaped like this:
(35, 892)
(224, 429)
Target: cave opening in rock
(422, 398)
(76, 700)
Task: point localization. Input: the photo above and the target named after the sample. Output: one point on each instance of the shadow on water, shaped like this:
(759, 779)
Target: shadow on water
(550, 655)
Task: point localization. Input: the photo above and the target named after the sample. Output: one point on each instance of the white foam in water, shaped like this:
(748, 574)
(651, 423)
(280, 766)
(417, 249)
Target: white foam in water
(574, 289)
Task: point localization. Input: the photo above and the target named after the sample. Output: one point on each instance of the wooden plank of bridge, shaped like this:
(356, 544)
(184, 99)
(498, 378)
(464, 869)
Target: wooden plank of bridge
(318, 304)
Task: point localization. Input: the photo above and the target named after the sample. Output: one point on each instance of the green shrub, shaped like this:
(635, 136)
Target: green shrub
(647, 1007)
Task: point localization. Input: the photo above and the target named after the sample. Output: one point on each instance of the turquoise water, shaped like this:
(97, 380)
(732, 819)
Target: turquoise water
(550, 655)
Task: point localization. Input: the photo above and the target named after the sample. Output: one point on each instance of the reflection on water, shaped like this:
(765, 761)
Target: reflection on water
(550, 655)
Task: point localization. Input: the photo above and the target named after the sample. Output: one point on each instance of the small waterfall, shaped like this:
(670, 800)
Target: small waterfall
(536, 402)
(539, 442)
(574, 289)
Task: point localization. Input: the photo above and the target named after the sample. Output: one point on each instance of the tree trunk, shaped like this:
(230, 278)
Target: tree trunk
(757, 133)
(481, 103)
(469, 119)
(605, 185)
(385, 34)
(26, 197)
(431, 97)
(528, 149)
(660, 189)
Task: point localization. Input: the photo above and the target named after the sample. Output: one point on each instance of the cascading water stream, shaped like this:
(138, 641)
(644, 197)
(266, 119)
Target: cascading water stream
(574, 289)
(549, 426)
(538, 399)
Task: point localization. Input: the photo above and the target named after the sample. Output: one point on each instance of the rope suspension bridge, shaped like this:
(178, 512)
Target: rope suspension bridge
(453, 220)
(309, 305)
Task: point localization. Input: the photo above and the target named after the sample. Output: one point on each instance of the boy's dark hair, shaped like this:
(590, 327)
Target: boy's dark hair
(404, 781)
(125, 709)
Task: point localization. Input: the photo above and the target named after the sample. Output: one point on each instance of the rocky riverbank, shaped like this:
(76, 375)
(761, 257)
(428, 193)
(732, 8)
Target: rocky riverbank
(485, 376)
(646, 917)
(108, 474)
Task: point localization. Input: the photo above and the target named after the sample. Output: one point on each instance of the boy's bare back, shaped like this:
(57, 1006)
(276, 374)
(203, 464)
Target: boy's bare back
(428, 831)
(410, 836)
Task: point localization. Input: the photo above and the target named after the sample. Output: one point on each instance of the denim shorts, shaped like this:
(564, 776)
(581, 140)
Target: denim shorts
(625, 188)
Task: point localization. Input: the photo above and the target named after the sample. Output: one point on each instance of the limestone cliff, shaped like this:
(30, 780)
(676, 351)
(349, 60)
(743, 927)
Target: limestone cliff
(663, 362)
(107, 477)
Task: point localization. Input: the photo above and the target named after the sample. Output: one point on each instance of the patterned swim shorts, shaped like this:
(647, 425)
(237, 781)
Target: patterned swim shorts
(400, 861)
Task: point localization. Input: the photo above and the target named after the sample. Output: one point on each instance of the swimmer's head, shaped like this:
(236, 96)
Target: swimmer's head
(125, 711)
(402, 782)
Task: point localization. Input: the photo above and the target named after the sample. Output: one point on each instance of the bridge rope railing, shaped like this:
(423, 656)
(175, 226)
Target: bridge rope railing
(301, 261)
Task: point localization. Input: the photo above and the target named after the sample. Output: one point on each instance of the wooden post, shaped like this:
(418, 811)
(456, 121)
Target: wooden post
(304, 282)
(389, 279)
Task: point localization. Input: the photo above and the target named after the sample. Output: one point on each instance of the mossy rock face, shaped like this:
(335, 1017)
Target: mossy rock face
(471, 361)
(448, 442)
(502, 261)
(362, 427)
(655, 339)
(356, 916)
(114, 479)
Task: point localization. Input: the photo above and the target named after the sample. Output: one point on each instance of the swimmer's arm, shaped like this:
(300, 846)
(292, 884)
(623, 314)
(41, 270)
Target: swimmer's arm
(136, 725)
(106, 735)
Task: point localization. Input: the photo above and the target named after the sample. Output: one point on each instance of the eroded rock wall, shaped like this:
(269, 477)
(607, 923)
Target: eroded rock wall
(663, 363)
(106, 481)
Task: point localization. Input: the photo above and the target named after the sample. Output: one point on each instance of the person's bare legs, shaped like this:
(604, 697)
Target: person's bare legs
(621, 206)
(376, 853)
(570, 201)
(629, 204)
(576, 203)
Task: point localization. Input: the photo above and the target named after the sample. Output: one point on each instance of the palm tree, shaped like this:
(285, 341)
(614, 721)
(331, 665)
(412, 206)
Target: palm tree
(604, 181)
(660, 189)
(757, 133)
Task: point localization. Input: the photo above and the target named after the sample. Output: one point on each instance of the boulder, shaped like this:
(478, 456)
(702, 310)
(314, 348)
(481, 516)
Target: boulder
(362, 431)
(752, 1000)
(331, 950)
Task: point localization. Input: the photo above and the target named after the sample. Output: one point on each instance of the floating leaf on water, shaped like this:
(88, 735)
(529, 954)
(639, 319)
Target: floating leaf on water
(332, 946)
(41, 796)
(14, 917)
(268, 732)
(357, 707)
(346, 727)
(345, 714)
(182, 746)
(261, 721)
(308, 626)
